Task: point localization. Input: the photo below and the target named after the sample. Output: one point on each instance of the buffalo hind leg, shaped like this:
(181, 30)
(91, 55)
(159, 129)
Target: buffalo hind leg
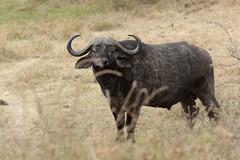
(212, 106)
(205, 92)
(119, 117)
(190, 109)
(132, 117)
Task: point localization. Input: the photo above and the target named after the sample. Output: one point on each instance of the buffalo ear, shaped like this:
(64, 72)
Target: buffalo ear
(84, 62)
(123, 61)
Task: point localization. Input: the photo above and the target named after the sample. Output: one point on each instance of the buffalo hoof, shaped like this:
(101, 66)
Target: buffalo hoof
(191, 123)
(214, 120)
(120, 136)
(214, 116)
(130, 138)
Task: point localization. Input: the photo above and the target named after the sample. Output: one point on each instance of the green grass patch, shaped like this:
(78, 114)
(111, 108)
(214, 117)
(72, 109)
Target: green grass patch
(11, 11)
(32, 10)
(75, 11)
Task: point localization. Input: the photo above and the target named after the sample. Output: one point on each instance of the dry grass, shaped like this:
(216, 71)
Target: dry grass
(56, 112)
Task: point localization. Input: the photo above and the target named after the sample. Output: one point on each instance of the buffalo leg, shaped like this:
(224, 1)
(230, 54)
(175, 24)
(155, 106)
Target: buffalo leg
(212, 106)
(205, 92)
(190, 109)
(119, 117)
(132, 117)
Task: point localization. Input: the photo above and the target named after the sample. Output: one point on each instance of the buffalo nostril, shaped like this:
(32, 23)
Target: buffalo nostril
(105, 62)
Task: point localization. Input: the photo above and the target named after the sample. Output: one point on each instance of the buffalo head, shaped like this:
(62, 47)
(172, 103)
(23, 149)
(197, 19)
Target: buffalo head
(104, 53)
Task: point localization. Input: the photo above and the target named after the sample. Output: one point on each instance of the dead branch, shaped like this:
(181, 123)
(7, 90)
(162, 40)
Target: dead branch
(233, 47)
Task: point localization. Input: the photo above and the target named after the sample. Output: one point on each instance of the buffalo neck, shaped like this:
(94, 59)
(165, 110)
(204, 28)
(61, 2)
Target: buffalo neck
(113, 83)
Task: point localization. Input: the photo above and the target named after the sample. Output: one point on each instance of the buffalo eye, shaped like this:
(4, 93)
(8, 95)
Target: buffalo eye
(112, 52)
(121, 57)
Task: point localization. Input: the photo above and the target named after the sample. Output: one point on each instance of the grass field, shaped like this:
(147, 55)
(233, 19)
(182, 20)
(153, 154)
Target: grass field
(57, 112)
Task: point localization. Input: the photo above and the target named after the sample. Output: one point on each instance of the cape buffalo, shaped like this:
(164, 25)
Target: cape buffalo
(132, 74)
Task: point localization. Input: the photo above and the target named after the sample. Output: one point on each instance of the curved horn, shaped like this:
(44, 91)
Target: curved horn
(79, 53)
(127, 51)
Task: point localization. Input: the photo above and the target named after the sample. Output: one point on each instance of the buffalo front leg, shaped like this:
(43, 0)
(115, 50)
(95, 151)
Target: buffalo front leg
(190, 109)
(132, 117)
(119, 117)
